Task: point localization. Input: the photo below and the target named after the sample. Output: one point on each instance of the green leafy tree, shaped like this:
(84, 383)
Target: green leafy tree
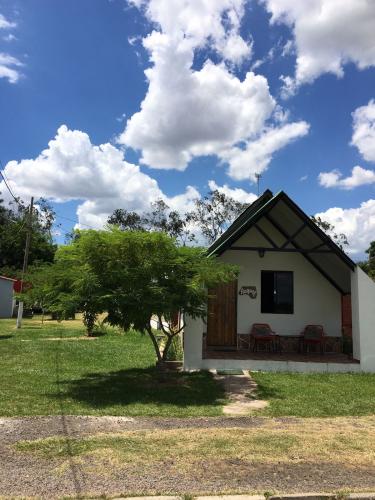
(13, 227)
(159, 218)
(145, 274)
(126, 220)
(214, 213)
(134, 276)
(369, 265)
(340, 239)
(65, 287)
(50, 288)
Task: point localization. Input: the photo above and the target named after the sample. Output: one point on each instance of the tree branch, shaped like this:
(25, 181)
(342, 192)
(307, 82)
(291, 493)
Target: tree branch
(155, 343)
(166, 332)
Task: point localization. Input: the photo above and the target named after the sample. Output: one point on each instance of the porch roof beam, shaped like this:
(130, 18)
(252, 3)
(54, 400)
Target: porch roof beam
(314, 264)
(265, 235)
(296, 233)
(318, 246)
(290, 250)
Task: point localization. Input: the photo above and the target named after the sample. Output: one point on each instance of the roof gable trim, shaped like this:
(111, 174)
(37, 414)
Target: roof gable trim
(249, 218)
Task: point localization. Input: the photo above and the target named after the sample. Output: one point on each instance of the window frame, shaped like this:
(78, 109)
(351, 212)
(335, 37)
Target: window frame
(263, 306)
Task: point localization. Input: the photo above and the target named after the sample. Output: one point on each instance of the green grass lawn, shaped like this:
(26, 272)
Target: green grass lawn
(112, 375)
(45, 373)
(317, 394)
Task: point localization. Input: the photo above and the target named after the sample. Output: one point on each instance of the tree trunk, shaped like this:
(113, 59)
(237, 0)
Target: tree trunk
(154, 342)
(167, 346)
(89, 322)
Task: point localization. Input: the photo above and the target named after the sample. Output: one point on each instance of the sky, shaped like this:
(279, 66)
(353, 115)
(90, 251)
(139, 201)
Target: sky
(108, 104)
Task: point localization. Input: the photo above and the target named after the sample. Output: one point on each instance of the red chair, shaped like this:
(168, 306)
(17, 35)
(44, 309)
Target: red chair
(262, 333)
(313, 335)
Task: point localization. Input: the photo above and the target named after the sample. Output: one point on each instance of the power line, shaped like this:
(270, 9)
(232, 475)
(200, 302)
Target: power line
(8, 187)
(6, 182)
(25, 261)
(72, 220)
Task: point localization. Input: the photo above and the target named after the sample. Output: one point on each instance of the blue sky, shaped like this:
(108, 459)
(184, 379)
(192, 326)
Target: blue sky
(192, 118)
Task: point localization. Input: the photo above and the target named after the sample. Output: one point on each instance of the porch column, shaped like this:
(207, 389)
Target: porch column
(193, 338)
(363, 317)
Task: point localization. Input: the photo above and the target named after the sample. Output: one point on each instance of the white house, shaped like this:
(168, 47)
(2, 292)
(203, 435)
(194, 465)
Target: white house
(6, 297)
(291, 275)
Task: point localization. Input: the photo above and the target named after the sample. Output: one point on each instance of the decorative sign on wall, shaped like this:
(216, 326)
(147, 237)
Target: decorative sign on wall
(251, 291)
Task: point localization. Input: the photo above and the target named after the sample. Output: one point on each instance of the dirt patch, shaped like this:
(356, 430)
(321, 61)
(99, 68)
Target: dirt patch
(225, 461)
(69, 338)
(28, 428)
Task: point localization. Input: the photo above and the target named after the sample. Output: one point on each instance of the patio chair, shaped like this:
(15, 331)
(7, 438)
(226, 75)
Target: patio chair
(262, 333)
(313, 335)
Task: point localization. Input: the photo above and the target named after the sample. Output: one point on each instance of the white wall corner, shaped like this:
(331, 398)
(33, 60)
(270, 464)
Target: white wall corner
(363, 318)
(355, 315)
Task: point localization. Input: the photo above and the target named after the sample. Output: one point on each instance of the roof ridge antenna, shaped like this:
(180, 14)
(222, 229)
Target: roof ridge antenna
(258, 176)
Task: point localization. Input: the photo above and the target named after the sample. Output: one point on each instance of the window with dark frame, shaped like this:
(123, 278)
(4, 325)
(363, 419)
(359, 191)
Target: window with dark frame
(277, 292)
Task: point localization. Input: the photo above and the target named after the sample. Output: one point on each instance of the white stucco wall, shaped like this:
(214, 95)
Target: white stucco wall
(193, 336)
(363, 319)
(316, 301)
(6, 298)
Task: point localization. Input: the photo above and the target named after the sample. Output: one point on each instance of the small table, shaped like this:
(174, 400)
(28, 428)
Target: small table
(248, 337)
(297, 337)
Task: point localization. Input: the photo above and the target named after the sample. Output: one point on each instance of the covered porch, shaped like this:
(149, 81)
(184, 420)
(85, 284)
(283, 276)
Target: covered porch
(289, 349)
(331, 357)
(291, 275)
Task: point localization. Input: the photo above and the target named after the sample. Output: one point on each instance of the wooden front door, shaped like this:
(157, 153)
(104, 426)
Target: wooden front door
(222, 316)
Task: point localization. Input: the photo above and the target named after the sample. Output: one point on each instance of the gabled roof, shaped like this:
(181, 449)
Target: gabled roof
(243, 221)
(300, 234)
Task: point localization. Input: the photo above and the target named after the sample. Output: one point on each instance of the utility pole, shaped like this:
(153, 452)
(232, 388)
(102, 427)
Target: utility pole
(258, 177)
(25, 260)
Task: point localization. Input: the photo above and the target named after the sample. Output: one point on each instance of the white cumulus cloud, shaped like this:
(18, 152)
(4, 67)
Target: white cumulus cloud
(9, 65)
(328, 34)
(359, 177)
(189, 112)
(237, 194)
(72, 168)
(364, 139)
(216, 22)
(255, 157)
(5, 23)
(358, 224)
(364, 130)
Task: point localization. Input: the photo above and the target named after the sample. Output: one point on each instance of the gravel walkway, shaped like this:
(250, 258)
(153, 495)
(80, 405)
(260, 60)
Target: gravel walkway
(24, 474)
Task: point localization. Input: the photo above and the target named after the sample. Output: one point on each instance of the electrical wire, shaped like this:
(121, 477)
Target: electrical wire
(58, 216)
(6, 182)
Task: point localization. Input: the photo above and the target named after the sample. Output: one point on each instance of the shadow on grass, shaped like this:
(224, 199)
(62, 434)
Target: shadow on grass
(98, 334)
(267, 392)
(146, 386)
(5, 337)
